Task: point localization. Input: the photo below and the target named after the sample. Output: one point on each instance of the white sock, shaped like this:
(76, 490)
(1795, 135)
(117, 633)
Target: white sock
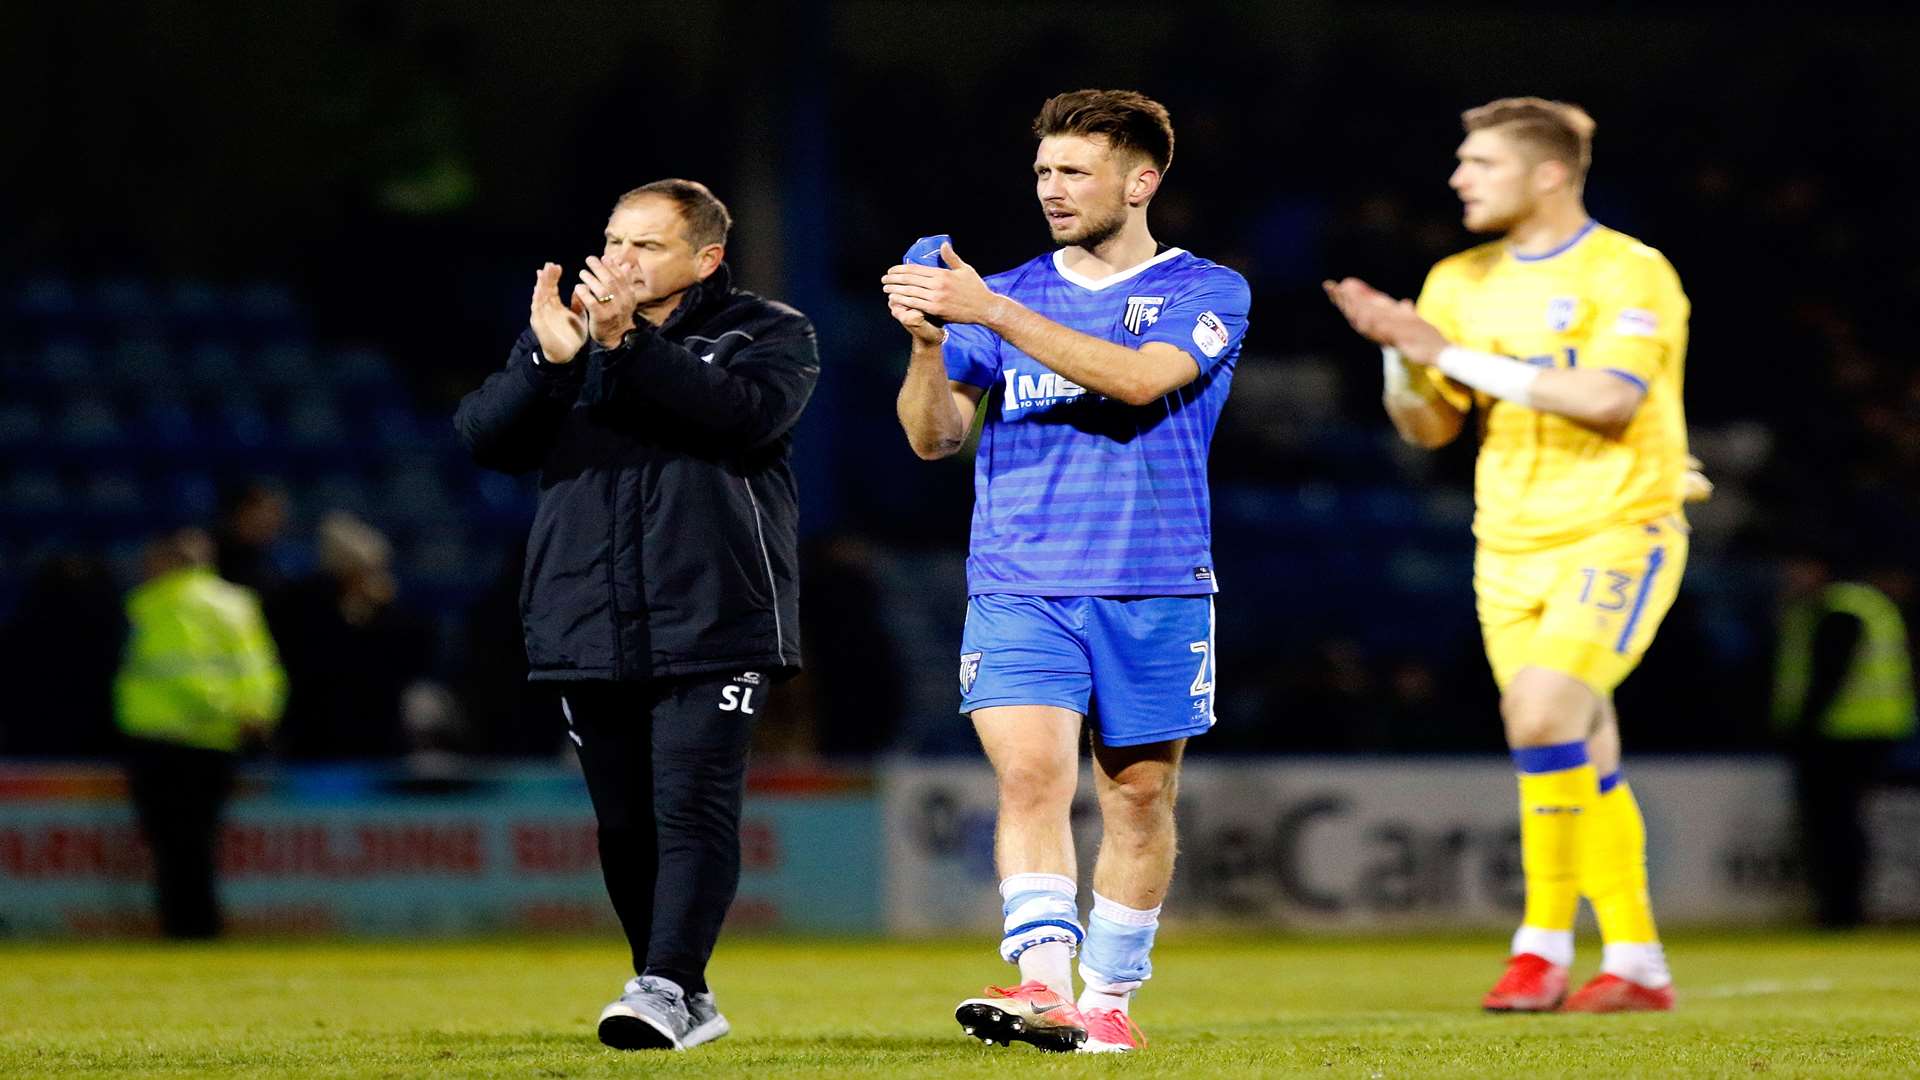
(1555, 945)
(1095, 998)
(1050, 962)
(1638, 962)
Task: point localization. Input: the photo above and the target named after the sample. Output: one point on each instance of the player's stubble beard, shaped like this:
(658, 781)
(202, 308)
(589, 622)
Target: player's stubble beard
(1093, 231)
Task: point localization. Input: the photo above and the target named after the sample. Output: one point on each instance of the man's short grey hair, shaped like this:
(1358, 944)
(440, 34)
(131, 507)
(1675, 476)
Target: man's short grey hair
(705, 216)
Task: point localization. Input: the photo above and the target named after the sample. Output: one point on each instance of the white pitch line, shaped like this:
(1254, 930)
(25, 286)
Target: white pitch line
(1762, 987)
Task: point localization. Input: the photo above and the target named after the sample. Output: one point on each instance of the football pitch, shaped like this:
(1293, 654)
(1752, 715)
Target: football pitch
(1750, 1005)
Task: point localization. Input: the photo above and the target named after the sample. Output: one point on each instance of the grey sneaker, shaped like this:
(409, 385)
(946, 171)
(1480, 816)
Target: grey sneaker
(650, 1015)
(708, 1024)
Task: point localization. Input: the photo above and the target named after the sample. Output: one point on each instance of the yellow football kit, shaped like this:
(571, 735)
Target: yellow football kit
(1581, 536)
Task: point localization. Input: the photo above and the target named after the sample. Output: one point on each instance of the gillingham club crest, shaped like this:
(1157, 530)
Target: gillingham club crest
(1562, 312)
(969, 670)
(1142, 312)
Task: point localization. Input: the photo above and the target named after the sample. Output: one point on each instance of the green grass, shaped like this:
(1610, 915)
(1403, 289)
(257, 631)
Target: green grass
(1773, 1005)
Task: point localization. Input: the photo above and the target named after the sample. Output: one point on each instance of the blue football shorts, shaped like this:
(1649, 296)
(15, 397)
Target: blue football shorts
(1141, 668)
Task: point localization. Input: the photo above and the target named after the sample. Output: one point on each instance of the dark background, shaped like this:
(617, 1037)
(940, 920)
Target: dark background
(251, 243)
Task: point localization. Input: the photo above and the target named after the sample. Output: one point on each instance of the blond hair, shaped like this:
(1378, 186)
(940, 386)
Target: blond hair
(1557, 129)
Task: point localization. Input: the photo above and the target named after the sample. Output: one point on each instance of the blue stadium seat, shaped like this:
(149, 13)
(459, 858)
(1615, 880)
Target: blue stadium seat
(359, 366)
(36, 491)
(284, 363)
(336, 491)
(166, 423)
(313, 422)
(413, 492)
(190, 496)
(63, 360)
(265, 307)
(240, 423)
(50, 301)
(113, 494)
(212, 364)
(89, 422)
(142, 360)
(119, 300)
(21, 425)
(194, 304)
(444, 560)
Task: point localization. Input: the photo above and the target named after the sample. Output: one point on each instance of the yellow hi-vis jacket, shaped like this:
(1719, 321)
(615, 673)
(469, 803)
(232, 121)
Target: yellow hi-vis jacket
(200, 667)
(1876, 698)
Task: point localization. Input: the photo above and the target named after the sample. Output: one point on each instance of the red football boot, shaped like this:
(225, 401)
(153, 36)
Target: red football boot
(1610, 994)
(1532, 983)
(1110, 1031)
(1029, 1012)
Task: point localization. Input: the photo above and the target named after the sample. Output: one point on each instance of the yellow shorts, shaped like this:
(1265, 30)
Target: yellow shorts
(1588, 609)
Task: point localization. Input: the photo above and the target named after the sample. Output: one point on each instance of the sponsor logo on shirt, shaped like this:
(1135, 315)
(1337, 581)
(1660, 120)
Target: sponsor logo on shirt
(1210, 334)
(1636, 322)
(969, 670)
(1203, 573)
(1142, 312)
(1030, 391)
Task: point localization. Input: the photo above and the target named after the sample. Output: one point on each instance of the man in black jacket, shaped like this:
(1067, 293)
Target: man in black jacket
(661, 587)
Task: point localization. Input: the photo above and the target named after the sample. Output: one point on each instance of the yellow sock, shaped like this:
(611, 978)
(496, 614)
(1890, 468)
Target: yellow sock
(1557, 788)
(1613, 867)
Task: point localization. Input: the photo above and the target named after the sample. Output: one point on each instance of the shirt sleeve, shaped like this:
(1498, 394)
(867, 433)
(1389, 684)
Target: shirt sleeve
(972, 354)
(1639, 317)
(1436, 306)
(1207, 319)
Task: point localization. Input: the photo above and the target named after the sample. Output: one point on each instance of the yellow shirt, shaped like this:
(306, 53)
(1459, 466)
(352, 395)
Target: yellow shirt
(1603, 301)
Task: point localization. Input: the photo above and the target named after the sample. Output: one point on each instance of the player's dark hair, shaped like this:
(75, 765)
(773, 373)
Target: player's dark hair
(704, 215)
(1563, 131)
(1131, 121)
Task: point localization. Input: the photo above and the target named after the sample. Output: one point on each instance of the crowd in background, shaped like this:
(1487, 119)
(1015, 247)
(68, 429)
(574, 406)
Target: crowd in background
(1346, 614)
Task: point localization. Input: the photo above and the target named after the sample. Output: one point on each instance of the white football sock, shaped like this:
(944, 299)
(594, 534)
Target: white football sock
(1050, 962)
(1555, 945)
(1638, 962)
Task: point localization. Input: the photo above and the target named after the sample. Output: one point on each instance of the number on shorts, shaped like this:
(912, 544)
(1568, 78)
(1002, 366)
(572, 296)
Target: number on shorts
(1615, 598)
(1201, 684)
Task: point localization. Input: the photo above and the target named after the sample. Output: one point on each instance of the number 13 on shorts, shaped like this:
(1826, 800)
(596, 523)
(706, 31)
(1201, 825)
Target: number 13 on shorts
(1588, 609)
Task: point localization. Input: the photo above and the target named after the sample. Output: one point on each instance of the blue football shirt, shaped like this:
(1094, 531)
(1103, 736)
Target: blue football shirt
(1075, 493)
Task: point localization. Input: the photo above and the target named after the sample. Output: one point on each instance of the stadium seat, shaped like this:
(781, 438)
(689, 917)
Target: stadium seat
(120, 300)
(314, 422)
(50, 302)
(212, 364)
(63, 361)
(285, 364)
(240, 423)
(36, 491)
(114, 495)
(142, 360)
(190, 496)
(20, 425)
(89, 422)
(166, 423)
(335, 491)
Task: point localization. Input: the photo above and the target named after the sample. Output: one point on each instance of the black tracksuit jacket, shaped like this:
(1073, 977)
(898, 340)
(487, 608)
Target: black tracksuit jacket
(665, 538)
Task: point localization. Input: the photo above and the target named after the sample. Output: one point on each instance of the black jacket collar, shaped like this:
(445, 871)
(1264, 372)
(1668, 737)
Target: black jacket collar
(700, 301)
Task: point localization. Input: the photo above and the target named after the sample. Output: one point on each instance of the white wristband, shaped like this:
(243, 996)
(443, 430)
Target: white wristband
(1502, 376)
(1405, 386)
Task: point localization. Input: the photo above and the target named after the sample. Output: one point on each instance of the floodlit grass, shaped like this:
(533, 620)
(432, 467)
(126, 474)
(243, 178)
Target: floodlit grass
(1752, 1005)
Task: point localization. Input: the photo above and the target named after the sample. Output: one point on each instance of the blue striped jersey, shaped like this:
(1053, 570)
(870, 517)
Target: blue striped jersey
(1075, 493)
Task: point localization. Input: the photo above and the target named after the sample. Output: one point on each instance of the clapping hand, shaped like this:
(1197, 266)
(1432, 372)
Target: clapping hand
(561, 328)
(1385, 321)
(956, 295)
(607, 297)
